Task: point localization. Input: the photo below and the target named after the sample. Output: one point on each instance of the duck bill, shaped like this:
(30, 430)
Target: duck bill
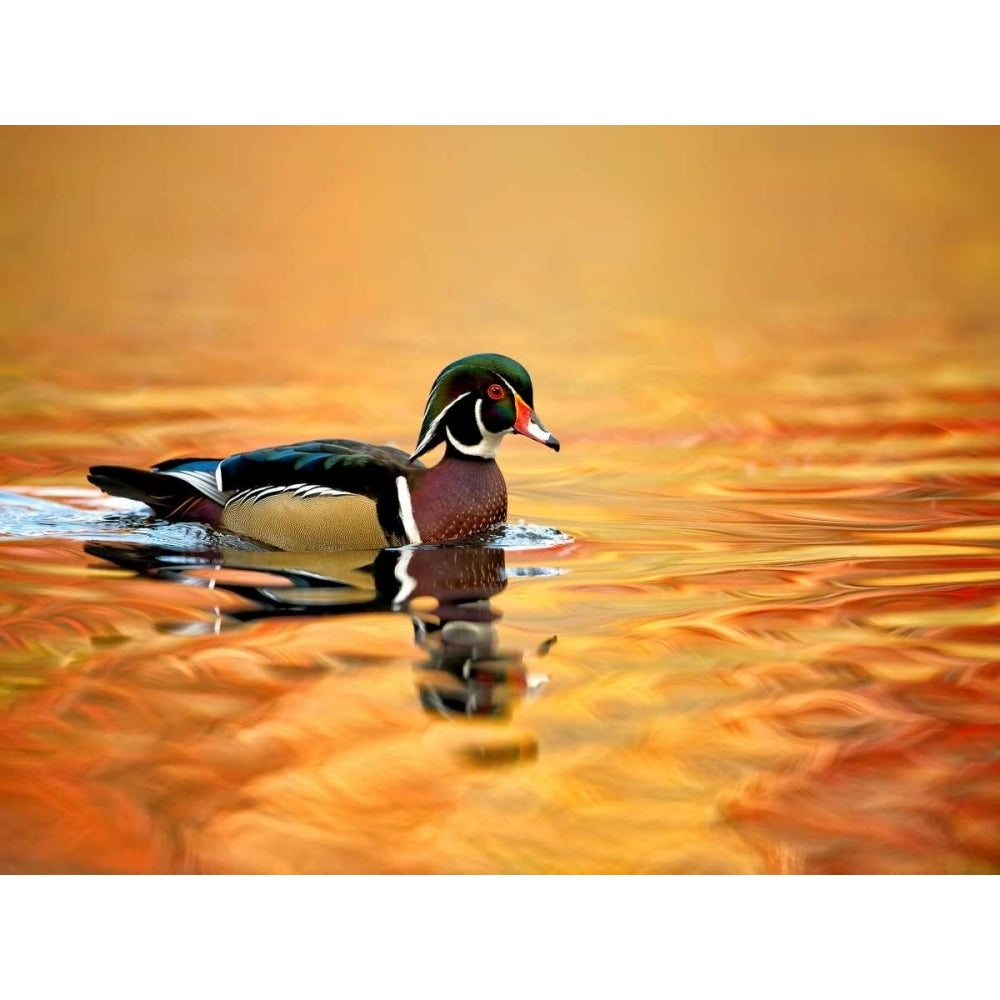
(529, 425)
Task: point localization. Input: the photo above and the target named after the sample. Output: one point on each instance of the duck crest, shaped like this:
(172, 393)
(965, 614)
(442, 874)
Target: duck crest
(459, 497)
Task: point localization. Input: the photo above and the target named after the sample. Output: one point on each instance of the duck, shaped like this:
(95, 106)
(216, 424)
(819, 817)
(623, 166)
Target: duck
(335, 494)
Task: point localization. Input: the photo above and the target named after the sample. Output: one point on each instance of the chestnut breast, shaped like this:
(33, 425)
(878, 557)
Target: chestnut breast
(459, 497)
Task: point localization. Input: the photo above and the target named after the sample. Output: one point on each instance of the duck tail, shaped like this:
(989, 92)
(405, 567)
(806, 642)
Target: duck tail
(169, 496)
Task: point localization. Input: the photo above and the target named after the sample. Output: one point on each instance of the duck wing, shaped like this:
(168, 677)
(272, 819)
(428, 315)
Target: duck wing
(335, 463)
(325, 494)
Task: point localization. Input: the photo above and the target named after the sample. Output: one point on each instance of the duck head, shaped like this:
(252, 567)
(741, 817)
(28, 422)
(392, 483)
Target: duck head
(474, 402)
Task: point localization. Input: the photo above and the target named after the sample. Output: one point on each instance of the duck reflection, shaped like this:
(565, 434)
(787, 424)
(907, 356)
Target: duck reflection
(446, 591)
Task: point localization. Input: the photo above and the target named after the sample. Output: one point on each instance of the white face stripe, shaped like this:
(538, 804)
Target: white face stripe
(430, 400)
(432, 430)
(491, 441)
(487, 448)
(513, 391)
(406, 511)
(479, 419)
(465, 449)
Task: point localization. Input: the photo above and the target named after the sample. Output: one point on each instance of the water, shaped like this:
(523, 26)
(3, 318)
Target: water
(745, 621)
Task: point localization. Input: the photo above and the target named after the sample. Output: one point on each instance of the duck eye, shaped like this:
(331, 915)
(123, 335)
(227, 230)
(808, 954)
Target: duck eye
(495, 391)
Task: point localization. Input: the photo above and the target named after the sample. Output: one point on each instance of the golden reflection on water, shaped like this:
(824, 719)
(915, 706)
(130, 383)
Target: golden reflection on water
(773, 358)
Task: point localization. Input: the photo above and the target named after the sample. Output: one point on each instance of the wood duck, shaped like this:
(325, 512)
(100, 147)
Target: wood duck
(337, 494)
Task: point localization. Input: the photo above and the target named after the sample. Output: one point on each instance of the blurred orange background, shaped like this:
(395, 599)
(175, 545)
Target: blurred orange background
(322, 231)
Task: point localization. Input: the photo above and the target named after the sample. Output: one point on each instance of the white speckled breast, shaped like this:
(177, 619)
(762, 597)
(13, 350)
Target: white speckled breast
(459, 497)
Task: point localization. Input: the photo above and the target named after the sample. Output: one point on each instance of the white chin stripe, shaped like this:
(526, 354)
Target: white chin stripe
(487, 448)
(406, 511)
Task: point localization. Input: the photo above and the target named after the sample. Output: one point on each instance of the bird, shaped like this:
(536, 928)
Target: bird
(334, 494)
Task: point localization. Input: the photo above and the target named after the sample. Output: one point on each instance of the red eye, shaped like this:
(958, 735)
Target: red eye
(495, 391)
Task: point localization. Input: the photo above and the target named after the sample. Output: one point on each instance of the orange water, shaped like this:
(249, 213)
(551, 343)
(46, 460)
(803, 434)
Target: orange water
(773, 359)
